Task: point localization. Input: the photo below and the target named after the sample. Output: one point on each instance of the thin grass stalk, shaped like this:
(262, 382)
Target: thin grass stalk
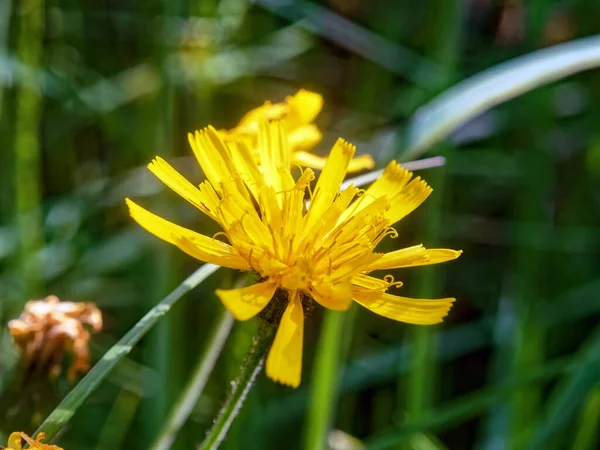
(27, 169)
(192, 392)
(74, 399)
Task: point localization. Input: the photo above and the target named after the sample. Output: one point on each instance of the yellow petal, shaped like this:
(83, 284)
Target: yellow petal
(336, 296)
(215, 159)
(246, 164)
(304, 107)
(274, 153)
(403, 309)
(194, 244)
(330, 180)
(306, 159)
(304, 137)
(361, 162)
(392, 181)
(371, 283)
(416, 255)
(173, 179)
(267, 111)
(408, 199)
(245, 303)
(14, 441)
(284, 363)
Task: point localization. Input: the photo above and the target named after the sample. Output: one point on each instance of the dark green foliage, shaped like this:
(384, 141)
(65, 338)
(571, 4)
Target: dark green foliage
(516, 364)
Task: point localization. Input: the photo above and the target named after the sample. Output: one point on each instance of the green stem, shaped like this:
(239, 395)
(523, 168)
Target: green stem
(241, 386)
(189, 396)
(27, 167)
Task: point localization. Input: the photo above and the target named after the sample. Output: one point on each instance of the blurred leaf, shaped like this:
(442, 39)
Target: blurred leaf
(434, 121)
(570, 394)
(469, 406)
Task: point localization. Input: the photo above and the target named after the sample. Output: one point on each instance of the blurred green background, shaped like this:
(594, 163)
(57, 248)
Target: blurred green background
(91, 91)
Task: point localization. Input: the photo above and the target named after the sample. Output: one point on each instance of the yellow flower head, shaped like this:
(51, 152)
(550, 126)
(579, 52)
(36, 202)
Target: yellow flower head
(16, 438)
(297, 113)
(322, 251)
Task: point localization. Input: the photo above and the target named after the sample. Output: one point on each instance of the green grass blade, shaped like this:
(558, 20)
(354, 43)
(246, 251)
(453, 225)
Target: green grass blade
(588, 430)
(469, 406)
(570, 394)
(190, 395)
(119, 421)
(456, 106)
(74, 399)
(27, 148)
(325, 380)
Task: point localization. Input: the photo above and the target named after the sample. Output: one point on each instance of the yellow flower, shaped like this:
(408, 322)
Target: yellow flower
(15, 439)
(323, 251)
(297, 112)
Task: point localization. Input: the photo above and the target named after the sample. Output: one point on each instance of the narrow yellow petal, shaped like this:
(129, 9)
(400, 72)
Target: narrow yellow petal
(267, 111)
(371, 283)
(361, 162)
(403, 309)
(392, 181)
(194, 244)
(274, 152)
(284, 363)
(247, 167)
(214, 157)
(414, 256)
(330, 180)
(304, 107)
(408, 199)
(304, 137)
(245, 303)
(305, 159)
(173, 179)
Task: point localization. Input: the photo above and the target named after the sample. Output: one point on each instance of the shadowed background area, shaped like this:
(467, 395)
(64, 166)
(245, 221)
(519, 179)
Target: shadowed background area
(91, 91)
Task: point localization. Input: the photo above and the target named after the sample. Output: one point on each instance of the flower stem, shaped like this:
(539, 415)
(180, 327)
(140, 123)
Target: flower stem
(240, 387)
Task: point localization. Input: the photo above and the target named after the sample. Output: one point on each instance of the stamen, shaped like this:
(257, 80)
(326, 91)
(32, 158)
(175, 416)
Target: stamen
(389, 279)
(250, 261)
(221, 233)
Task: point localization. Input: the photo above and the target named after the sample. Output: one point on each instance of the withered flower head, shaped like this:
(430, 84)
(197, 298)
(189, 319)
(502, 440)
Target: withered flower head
(48, 328)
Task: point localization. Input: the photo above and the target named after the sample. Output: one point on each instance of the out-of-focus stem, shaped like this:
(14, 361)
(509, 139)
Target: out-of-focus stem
(27, 142)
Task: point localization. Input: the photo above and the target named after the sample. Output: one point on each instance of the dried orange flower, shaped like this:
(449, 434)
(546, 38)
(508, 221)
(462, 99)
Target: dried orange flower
(47, 328)
(16, 439)
(296, 114)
